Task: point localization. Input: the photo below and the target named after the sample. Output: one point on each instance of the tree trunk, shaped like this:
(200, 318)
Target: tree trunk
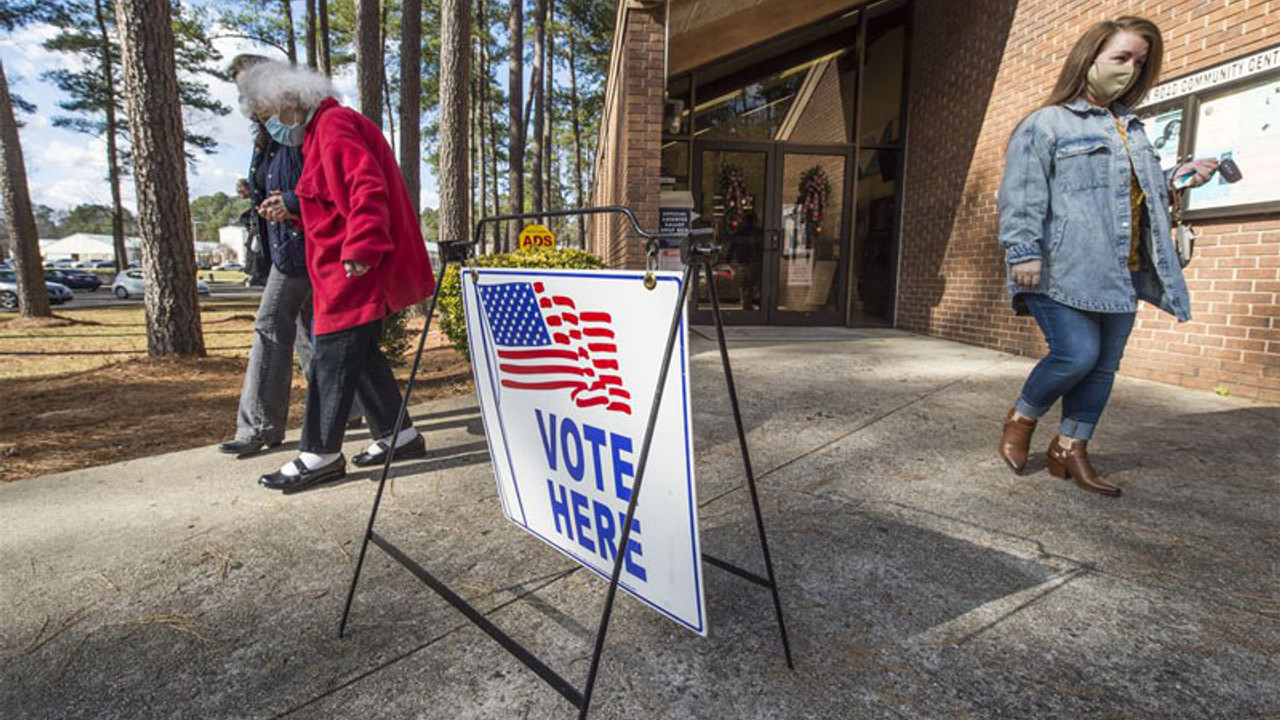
(549, 103)
(515, 109)
(113, 133)
(386, 85)
(291, 41)
(482, 170)
(325, 57)
(369, 54)
(455, 56)
(539, 101)
(312, 61)
(164, 212)
(20, 221)
(492, 137)
(410, 103)
(473, 133)
(577, 136)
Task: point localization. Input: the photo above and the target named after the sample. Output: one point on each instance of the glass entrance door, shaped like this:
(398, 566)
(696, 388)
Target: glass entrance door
(780, 218)
(734, 195)
(809, 272)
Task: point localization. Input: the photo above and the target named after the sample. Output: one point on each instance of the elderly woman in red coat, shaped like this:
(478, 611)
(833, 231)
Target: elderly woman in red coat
(366, 259)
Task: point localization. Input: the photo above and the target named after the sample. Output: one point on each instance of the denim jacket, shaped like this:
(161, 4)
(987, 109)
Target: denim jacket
(1065, 201)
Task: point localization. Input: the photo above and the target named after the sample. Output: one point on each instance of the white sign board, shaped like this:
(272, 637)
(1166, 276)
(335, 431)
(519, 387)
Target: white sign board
(1219, 75)
(566, 363)
(1243, 126)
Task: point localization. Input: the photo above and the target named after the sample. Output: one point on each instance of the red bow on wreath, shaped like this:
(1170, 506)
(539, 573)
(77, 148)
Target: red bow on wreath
(737, 201)
(814, 191)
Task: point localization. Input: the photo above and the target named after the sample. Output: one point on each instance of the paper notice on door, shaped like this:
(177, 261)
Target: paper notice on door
(799, 268)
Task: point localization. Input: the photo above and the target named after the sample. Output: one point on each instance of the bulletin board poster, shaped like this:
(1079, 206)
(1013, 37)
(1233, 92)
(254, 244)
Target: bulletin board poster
(1243, 125)
(1165, 134)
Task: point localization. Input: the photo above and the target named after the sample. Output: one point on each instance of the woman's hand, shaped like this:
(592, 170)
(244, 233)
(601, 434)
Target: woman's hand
(273, 208)
(1204, 168)
(354, 268)
(1027, 274)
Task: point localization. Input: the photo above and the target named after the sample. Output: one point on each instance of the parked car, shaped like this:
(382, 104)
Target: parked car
(58, 293)
(201, 265)
(74, 279)
(105, 264)
(230, 266)
(130, 284)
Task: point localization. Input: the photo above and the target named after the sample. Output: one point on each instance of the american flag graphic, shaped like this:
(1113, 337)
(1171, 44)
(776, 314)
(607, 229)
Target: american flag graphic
(546, 343)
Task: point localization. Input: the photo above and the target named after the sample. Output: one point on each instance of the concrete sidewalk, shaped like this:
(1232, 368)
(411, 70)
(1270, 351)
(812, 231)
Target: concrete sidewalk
(921, 579)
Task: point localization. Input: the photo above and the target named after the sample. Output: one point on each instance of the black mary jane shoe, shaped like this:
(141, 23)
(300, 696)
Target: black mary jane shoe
(305, 478)
(245, 448)
(415, 448)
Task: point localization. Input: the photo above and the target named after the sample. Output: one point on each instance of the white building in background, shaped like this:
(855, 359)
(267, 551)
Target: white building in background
(88, 246)
(91, 247)
(234, 237)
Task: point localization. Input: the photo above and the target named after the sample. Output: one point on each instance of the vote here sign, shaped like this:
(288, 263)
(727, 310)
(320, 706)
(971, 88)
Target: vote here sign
(566, 364)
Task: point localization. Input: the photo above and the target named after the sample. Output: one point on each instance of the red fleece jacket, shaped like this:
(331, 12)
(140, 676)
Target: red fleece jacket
(355, 206)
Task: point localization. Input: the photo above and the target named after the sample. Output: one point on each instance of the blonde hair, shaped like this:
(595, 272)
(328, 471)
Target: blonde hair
(267, 88)
(1071, 81)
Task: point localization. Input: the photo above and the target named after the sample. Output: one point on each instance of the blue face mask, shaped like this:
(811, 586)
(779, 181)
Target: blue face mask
(290, 135)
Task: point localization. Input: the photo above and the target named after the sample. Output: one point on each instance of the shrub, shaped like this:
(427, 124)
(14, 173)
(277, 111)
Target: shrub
(449, 300)
(395, 340)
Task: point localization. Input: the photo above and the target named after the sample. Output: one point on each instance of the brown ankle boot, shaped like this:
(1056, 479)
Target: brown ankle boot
(1015, 445)
(1073, 463)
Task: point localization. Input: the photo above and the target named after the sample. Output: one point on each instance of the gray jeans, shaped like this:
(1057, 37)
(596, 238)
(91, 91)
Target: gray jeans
(281, 325)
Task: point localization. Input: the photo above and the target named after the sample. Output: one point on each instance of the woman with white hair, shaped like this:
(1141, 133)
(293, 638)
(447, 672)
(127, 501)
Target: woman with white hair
(283, 318)
(366, 259)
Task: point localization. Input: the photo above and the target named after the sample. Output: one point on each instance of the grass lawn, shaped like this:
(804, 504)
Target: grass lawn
(81, 390)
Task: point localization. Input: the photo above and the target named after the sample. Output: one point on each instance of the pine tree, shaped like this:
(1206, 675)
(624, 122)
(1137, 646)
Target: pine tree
(515, 131)
(95, 104)
(33, 296)
(455, 41)
(153, 95)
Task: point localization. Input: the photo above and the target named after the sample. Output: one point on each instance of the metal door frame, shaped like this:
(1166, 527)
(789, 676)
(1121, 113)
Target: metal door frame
(775, 153)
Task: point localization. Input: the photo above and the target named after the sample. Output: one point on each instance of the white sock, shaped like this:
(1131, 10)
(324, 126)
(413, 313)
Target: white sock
(311, 460)
(404, 438)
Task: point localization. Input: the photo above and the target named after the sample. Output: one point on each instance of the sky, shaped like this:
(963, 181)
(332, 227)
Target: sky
(66, 168)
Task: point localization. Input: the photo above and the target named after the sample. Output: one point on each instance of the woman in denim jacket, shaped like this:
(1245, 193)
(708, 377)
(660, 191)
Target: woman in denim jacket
(1084, 220)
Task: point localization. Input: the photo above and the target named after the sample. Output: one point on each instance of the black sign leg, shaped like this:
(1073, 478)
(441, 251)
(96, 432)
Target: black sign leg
(746, 460)
(603, 630)
(391, 448)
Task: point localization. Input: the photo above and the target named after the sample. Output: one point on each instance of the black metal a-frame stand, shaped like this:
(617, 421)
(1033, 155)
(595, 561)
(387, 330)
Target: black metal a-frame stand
(693, 253)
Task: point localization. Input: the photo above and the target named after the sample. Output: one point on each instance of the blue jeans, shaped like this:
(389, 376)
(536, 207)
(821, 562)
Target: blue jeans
(1084, 354)
(278, 329)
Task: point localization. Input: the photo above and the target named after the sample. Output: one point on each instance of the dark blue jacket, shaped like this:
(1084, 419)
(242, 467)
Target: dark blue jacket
(277, 168)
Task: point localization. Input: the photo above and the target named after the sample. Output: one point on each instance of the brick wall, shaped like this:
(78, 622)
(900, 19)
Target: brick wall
(977, 68)
(630, 154)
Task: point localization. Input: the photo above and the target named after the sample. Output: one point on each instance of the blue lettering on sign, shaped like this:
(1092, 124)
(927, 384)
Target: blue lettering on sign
(560, 508)
(633, 549)
(604, 531)
(595, 531)
(596, 437)
(548, 438)
(621, 468)
(569, 430)
(580, 521)
(579, 518)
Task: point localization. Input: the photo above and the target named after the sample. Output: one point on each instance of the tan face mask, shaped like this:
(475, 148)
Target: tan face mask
(1107, 81)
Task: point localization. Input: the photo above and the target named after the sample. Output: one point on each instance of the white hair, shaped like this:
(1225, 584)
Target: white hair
(269, 87)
